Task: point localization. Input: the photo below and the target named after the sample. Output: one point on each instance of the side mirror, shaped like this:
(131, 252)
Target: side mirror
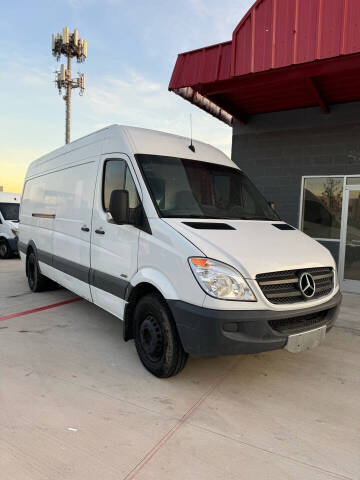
(272, 205)
(119, 206)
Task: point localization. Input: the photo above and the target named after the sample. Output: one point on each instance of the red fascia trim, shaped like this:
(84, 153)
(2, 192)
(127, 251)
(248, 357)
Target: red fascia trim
(245, 17)
(181, 58)
(235, 32)
(314, 68)
(213, 45)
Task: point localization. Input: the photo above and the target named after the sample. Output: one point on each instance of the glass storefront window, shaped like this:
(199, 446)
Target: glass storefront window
(352, 248)
(322, 206)
(353, 181)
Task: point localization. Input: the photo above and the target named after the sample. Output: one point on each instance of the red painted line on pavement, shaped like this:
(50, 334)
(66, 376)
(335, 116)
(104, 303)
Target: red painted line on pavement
(39, 309)
(132, 474)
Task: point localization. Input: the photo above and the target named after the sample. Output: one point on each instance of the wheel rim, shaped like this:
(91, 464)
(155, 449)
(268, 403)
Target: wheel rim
(152, 338)
(31, 273)
(3, 249)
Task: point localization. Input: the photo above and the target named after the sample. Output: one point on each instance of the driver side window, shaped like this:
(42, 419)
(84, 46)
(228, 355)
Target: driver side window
(117, 176)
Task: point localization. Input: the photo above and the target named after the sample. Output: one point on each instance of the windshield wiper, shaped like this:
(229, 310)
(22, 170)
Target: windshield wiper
(212, 217)
(259, 218)
(192, 216)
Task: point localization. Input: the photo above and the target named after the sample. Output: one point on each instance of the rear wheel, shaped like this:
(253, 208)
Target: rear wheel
(37, 282)
(156, 338)
(5, 251)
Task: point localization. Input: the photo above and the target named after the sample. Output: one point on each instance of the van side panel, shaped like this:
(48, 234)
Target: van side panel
(55, 214)
(69, 155)
(72, 226)
(38, 208)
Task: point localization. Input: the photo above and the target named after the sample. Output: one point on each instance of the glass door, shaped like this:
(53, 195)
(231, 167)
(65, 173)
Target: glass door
(349, 270)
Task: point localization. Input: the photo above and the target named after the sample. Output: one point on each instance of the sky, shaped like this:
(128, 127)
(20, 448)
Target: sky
(132, 49)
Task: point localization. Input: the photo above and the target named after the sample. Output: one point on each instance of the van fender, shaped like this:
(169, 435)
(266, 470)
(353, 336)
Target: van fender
(5, 235)
(155, 278)
(25, 248)
(146, 280)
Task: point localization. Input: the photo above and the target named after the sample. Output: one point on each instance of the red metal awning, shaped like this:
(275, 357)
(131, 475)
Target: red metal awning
(284, 54)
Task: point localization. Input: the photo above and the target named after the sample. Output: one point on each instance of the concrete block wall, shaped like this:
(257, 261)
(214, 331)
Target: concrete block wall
(277, 149)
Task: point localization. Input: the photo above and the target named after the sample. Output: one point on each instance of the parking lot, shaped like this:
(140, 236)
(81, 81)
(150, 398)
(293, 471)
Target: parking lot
(76, 403)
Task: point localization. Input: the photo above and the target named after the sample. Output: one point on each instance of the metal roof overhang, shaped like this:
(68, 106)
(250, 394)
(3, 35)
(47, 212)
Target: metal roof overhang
(284, 54)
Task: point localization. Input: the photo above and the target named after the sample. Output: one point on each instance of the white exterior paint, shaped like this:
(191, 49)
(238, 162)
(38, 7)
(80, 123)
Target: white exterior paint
(67, 183)
(8, 227)
(116, 252)
(256, 246)
(7, 197)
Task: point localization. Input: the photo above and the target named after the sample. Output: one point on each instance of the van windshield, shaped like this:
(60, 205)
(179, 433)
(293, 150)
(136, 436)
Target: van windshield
(193, 189)
(10, 211)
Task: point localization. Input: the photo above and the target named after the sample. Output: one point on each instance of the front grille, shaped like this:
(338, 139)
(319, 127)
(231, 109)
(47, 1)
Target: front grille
(283, 287)
(299, 324)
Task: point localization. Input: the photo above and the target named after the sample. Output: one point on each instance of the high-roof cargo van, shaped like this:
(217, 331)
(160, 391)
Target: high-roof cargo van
(176, 242)
(9, 224)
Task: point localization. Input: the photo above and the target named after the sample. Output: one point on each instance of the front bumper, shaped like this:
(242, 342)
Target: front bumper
(13, 244)
(206, 332)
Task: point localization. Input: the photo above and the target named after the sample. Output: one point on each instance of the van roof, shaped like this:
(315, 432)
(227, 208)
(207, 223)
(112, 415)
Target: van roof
(7, 197)
(128, 140)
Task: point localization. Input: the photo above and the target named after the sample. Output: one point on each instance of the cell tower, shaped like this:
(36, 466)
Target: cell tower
(70, 45)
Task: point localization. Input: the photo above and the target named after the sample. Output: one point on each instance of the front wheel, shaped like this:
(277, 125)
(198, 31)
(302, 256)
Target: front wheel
(5, 251)
(156, 338)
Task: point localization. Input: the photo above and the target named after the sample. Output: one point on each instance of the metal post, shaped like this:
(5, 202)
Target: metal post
(68, 101)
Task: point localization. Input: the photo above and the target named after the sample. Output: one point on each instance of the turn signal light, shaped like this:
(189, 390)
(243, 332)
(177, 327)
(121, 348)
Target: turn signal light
(200, 262)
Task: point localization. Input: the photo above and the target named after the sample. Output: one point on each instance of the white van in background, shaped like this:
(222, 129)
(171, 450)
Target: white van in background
(9, 224)
(178, 243)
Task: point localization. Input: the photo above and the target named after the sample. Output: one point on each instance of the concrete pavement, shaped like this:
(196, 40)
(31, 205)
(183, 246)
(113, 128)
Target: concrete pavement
(76, 403)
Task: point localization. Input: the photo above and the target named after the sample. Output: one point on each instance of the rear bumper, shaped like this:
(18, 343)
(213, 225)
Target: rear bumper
(205, 332)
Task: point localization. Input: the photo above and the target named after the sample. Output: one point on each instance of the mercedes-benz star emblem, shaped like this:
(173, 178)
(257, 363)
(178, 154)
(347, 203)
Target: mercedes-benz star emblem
(307, 285)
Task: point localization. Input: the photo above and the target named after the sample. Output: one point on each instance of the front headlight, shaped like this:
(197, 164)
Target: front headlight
(220, 280)
(15, 233)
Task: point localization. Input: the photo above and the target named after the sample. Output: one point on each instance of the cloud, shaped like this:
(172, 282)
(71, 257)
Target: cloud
(130, 94)
(151, 34)
(133, 99)
(14, 162)
(78, 3)
(130, 98)
(223, 16)
(18, 71)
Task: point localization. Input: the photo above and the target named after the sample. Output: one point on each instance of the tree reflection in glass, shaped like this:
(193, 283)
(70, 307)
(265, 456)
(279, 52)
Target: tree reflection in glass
(322, 207)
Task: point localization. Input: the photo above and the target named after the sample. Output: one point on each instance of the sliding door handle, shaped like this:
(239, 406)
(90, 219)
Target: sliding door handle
(85, 229)
(100, 231)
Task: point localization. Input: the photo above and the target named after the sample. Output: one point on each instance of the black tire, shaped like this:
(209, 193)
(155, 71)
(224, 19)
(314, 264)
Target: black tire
(157, 341)
(5, 250)
(36, 280)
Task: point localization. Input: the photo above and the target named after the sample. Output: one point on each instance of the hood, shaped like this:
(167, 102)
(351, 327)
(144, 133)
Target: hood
(13, 224)
(252, 246)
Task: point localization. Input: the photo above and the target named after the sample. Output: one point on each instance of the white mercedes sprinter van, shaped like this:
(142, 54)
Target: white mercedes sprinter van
(176, 242)
(9, 224)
